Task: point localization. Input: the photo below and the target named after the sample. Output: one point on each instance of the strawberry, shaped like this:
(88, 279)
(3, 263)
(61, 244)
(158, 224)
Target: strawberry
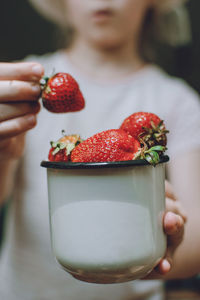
(61, 150)
(61, 155)
(109, 145)
(147, 127)
(61, 93)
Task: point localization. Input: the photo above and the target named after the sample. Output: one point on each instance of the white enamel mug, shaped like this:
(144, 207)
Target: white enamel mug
(106, 219)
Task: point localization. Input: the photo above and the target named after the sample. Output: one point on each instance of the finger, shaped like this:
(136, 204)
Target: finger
(17, 126)
(10, 111)
(19, 90)
(164, 266)
(169, 190)
(173, 223)
(174, 228)
(175, 207)
(25, 71)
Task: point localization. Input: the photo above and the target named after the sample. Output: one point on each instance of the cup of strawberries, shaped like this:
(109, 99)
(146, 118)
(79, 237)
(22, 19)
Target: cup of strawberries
(107, 200)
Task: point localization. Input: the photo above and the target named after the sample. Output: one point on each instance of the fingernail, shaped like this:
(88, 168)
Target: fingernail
(37, 70)
(36, 88)
(31, 119)
(179, 221)
(166, 265)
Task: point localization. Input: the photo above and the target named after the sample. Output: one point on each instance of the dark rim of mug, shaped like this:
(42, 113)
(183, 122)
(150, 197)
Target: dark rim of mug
(99, 165)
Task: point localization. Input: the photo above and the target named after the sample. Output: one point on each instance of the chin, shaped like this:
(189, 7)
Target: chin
(108, 42)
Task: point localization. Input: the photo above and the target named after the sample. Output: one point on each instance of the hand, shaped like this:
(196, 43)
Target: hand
(19, 93)
(173, 223)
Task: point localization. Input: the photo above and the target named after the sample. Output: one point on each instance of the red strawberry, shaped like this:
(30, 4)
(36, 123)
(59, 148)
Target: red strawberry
(109, 145)
(147, 127)
(61, 150)
(61, 155)
(61, 94)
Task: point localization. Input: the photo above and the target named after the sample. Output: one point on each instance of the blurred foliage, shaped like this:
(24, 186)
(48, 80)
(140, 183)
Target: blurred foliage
(24, 32)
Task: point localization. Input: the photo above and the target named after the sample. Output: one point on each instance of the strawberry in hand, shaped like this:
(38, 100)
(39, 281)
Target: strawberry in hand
(109, 145)
(61, 94)
(61, 150)
(147, 127)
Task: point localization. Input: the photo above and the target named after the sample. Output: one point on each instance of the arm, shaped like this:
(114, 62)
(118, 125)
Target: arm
(184, 173)
(11, 149)
(7, 174)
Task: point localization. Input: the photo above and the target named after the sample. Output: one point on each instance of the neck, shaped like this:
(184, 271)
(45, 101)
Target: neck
(111, 63)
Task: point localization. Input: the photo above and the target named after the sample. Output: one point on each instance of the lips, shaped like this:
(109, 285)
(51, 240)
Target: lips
(102, 15)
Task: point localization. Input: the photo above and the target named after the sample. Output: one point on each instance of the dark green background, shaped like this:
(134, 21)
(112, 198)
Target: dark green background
(23, 32)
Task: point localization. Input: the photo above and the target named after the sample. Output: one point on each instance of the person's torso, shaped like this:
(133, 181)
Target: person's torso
(30, 271)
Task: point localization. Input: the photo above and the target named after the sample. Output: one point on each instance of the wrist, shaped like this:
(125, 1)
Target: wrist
(7, 177)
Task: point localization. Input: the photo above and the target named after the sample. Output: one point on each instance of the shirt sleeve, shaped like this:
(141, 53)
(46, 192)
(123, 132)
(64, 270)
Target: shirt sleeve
(184, 121)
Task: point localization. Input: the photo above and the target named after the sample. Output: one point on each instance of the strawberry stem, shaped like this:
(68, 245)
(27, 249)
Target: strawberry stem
(63, 132)
(43, 82)
(152, 155)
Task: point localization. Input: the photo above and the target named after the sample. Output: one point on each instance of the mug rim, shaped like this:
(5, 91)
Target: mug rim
(99, 165)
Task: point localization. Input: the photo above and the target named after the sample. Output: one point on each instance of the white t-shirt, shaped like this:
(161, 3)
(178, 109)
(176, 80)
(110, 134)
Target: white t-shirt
(28, 270)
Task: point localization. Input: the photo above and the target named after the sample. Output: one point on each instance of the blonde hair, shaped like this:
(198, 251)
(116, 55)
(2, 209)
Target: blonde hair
(167, 5)
(54, 10)
(167, 21)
